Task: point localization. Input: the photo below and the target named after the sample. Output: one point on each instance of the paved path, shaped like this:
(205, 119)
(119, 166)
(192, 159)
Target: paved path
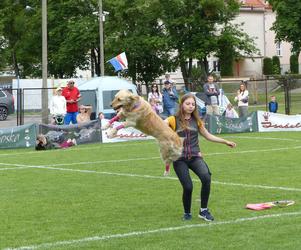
(11, 120)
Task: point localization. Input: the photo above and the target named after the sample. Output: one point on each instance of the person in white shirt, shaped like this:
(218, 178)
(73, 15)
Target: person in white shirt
(58, 107)
(242, 97)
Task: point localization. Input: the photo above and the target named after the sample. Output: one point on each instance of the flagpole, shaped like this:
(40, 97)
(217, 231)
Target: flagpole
(102, 68)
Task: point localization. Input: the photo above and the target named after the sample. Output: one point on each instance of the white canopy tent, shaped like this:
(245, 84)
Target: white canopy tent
(99, 92)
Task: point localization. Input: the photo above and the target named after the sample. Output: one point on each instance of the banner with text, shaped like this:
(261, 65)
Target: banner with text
(18, 137)
(125, 134)
(278, 122)
(223, 125)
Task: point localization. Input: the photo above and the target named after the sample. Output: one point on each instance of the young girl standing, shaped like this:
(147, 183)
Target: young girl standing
(188, 125)
(155, 96)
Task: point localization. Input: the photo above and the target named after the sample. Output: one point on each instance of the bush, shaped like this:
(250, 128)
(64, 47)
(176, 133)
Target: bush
(276, 65)
(294, 64)
(267, 66)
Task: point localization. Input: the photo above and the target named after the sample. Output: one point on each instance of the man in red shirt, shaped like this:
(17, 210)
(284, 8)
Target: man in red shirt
(72, 96)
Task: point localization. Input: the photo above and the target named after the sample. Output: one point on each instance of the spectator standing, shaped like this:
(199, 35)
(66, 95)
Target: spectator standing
(188, 125)
(273, 105)
(242, 97)
(156, 96)
(58, 107)
(72, 96)
(84, 114)
(212, 92)
(170, 98)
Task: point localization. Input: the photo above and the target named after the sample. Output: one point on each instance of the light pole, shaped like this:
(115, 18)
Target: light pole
(100, 15)
(44, 64)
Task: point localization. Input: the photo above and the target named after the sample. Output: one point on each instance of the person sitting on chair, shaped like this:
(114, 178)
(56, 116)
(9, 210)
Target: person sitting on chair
(84, 114)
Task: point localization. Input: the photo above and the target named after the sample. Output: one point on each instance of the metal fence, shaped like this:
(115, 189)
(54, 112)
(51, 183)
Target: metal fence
(287, 90)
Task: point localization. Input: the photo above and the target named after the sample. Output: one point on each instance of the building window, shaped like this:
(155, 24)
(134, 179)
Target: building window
(278, 49)
(216, 66)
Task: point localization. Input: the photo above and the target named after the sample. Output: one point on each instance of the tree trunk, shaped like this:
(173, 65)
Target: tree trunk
(184, 74)
(15, 63)
(96, 59)
(92, 63)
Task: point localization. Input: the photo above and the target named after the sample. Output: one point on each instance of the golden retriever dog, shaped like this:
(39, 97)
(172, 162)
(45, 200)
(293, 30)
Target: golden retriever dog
(139, 114)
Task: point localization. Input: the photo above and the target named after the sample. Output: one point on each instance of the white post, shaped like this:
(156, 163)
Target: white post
(44, 64)
(102, 69)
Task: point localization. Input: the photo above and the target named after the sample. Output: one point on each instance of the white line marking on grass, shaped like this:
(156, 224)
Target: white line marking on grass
(12, 164)
(99, 146)
(105, 161)
(253, 151)
(256, 186)
(262, 138)
(163, 177)
(153, 158)
(3, 169)
(153, 231)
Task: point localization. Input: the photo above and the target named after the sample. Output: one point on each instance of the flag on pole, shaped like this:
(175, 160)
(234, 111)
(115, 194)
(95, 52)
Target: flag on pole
(119, 62)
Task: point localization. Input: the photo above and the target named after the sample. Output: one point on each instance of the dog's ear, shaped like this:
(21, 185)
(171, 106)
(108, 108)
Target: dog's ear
(134, 98)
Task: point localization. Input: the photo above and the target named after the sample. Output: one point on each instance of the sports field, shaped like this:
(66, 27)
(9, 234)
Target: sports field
(114, 196)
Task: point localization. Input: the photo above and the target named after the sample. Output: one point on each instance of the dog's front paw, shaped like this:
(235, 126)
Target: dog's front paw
(111, 133)
(105, 126)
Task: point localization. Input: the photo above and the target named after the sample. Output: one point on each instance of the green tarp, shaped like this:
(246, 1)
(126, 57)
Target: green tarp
(223, 125)
(89, 132)
(18, 137)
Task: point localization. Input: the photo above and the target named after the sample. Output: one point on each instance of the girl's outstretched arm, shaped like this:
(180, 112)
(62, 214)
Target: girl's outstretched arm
(210, 137)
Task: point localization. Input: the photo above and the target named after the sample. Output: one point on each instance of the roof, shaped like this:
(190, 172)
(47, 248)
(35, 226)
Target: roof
(106, 83)
(254, 3)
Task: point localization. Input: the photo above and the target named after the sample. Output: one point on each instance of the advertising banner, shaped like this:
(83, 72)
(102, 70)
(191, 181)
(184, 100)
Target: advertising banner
(18, 137)
(89, 132)
(268, 122)
(223, 125)
(125, 134)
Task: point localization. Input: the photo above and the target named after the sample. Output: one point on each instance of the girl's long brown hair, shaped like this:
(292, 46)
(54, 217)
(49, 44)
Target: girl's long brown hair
(195, 113)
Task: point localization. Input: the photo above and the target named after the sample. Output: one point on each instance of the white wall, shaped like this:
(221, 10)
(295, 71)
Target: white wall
(32, 97)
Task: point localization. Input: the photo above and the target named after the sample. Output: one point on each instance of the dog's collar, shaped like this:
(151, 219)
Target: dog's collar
(137, 105)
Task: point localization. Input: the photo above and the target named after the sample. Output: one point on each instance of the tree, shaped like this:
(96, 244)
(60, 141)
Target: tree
(72, 34)
(232, 45)
(195, 28)
(134, 27)
(288, 22)
(276, 65)
(13, 37)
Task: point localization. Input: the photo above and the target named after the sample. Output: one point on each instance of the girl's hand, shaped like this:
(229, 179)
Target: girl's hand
(231, 144)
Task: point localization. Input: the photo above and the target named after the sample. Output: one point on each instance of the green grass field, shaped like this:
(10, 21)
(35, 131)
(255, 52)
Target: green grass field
(114, 196)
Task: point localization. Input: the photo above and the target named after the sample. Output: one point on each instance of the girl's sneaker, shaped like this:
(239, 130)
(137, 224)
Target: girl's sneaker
(187, 216)
(205, 215)
(166, 173)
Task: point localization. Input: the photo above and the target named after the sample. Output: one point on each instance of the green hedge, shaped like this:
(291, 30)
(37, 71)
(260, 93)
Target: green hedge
(276, 65)
(267, 66)
(294, 64)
